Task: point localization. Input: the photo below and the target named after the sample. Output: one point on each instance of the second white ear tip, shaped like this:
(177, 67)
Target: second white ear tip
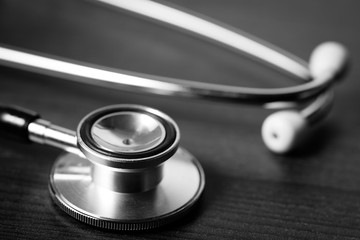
(281, 131)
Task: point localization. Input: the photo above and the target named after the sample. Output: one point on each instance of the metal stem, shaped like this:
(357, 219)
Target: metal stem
(43, 132)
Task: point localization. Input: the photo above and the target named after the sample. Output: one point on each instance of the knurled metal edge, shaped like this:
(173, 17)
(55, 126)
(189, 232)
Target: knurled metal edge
(125, 226)
(146, 224)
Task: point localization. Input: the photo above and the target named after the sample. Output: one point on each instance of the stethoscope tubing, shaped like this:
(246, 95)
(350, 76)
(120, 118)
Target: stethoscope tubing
(191, 22)
(130, 81)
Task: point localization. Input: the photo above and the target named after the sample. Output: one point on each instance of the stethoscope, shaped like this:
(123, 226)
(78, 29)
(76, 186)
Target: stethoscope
(122, 168)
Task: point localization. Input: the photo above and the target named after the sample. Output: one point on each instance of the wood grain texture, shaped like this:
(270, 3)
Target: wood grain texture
(313, 193)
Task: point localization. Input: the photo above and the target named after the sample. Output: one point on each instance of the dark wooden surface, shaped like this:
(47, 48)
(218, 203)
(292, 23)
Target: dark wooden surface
(313, 193)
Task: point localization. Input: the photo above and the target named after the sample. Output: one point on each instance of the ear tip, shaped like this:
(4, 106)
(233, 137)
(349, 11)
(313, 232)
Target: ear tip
(333, 47)
(328, 57)
(281, 131)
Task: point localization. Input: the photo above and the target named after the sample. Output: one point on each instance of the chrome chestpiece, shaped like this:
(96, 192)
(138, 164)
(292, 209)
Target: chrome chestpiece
(133, 175)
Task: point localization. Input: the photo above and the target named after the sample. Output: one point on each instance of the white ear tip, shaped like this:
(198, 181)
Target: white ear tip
(328, 58)
(281, 131)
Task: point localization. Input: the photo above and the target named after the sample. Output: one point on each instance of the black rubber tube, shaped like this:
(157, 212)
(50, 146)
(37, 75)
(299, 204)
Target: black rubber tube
(14, 122)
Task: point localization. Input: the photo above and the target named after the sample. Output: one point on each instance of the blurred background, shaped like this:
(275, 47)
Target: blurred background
(250, 193)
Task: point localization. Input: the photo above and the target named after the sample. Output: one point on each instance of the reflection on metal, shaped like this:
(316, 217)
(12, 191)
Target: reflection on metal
(128, 132)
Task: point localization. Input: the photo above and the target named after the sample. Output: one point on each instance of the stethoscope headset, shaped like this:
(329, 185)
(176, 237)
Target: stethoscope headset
(123, 168)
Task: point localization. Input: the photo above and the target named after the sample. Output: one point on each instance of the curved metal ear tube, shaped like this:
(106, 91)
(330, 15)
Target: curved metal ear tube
(236, 40)
(123, 168)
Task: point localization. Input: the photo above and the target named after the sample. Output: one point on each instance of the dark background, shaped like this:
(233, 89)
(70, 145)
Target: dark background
(313, 193)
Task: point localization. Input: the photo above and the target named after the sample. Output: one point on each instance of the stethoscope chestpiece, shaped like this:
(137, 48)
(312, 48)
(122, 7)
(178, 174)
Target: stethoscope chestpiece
(128, 136)
(133, 176)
